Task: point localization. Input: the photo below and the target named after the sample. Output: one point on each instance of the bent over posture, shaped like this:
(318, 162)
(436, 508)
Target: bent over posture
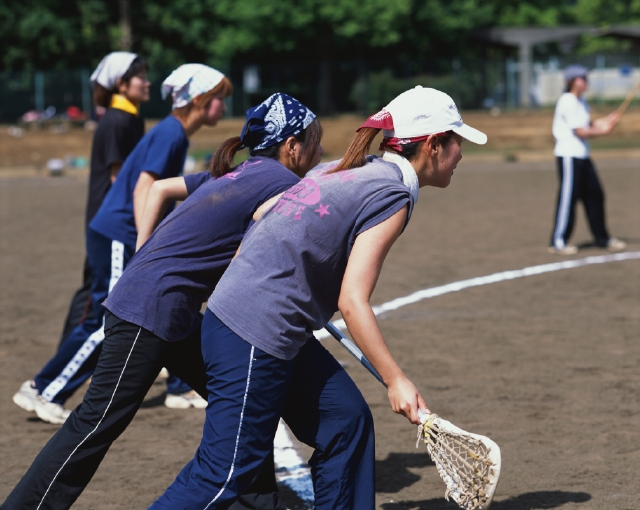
(319, 249)
(152, 317)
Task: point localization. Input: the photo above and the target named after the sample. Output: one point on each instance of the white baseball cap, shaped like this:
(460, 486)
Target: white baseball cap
(424, 111)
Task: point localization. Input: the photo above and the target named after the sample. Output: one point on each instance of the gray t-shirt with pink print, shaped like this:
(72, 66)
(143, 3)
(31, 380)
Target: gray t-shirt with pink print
(286, 281)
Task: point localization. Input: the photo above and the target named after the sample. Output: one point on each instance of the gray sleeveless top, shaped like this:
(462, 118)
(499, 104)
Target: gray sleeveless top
(286, 281)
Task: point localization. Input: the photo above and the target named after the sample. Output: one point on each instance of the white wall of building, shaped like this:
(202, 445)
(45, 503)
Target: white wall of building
(606, 83)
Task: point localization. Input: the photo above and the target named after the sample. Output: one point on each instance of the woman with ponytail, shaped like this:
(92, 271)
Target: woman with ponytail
(152, 318)
(318, 250)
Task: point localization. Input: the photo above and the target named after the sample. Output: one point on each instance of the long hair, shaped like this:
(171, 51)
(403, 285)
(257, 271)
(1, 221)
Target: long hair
(102, 96)
(222, 160)
(225, 88)
(356, 155)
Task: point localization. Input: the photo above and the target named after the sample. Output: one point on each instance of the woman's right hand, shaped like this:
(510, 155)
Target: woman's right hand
(405, 399)
(606, 124)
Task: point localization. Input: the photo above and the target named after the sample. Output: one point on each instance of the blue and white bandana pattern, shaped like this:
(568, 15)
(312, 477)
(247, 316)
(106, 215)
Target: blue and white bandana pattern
(274, 120)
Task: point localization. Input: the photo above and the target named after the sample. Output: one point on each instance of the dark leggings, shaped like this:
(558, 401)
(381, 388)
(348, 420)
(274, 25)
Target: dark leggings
(130, 361)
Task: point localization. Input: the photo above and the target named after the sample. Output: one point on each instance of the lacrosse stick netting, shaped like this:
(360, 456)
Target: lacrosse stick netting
(469, 464)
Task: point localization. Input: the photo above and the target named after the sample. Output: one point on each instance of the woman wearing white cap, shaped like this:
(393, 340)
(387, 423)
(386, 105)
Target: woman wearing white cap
(572, 127)
(120, 85)
(319, 249)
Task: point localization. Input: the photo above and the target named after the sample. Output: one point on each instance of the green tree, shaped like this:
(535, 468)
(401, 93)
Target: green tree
(48, 33)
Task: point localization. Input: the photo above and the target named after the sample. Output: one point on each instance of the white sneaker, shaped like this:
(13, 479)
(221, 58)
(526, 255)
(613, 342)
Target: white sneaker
(185, 401)
(569, 249)
(51, 412)
(615, 244)
(26, 396)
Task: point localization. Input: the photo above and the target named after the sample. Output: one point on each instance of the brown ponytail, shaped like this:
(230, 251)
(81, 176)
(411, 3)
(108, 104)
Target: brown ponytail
(222, 160)
(102, 96)
(356, 155)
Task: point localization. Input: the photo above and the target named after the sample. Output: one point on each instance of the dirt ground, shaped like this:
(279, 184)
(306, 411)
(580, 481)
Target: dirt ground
(513, 135)
(547, 366)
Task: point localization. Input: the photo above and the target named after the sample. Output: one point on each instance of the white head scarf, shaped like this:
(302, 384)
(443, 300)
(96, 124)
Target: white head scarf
(189, 81)
(111, 68)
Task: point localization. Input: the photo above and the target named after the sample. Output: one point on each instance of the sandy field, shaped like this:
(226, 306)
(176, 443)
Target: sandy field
(513, 136)
(547, 365)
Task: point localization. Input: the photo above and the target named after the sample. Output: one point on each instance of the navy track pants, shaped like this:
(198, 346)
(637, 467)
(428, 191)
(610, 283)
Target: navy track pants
(78, 355)
(578, 181)
(248, 392)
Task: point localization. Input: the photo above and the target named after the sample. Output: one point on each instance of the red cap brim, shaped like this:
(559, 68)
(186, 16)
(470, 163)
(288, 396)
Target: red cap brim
(380, 120)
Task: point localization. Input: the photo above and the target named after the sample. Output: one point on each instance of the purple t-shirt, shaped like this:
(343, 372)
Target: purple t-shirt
(174, 272)
(286, 281)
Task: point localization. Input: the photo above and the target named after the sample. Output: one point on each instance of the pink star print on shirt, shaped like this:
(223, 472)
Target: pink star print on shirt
(322, 210)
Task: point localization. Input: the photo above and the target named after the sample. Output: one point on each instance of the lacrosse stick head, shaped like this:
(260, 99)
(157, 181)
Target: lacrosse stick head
(469, 464)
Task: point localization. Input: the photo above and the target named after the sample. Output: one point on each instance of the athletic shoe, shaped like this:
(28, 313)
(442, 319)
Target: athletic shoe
(569, 249)
(50, 411)
(26, 396)
(615, 244)
(185, 401)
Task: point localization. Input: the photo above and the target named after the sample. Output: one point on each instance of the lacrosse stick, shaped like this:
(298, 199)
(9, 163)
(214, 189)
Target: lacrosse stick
(469, 464)
(625, 104)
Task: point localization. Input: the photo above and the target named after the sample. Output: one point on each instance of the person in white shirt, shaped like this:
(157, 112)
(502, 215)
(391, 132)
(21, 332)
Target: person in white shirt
(572, 127)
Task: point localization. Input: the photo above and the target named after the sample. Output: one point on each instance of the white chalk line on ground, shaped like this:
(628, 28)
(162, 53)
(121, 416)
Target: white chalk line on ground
(293, 471)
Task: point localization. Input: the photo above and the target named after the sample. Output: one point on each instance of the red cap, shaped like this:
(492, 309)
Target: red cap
(380, 120)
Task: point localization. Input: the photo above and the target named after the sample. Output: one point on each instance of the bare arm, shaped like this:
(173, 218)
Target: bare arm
(140, 195)
(265, 207)
(360, 278)
(259, 212)
(599, 127)
(161, 194)
(114, 170)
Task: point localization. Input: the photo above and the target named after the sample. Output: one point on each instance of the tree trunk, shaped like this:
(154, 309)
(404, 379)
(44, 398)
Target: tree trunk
(124, 44)
(325, 85)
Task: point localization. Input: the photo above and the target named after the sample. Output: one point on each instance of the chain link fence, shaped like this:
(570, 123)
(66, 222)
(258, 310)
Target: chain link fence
(348, 86)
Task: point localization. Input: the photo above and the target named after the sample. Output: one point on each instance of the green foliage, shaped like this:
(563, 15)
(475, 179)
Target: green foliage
(381, 87)
(49, 33)
(70, 33)
(292, 25)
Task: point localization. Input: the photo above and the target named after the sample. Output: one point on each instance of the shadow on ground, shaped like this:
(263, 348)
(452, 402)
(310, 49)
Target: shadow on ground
(529, 501)
(291, 499)
(392, 474)
(153, 401)
(590, 245)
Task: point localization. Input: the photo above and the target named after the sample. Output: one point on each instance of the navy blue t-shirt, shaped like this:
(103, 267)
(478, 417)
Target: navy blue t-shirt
(176, 270)
(162, 152)
(117, 135)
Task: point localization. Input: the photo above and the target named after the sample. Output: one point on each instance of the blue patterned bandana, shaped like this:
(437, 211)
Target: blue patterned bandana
(276, 119)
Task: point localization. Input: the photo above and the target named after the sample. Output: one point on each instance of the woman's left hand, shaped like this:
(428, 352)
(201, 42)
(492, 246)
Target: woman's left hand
(405, 399)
